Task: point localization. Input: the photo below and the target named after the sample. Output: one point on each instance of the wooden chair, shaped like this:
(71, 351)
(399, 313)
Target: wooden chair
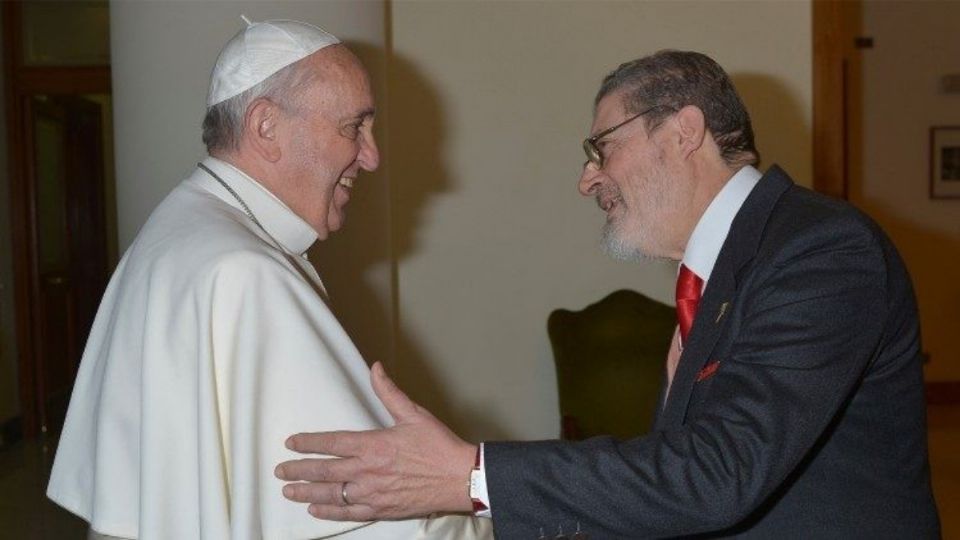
(610, 360)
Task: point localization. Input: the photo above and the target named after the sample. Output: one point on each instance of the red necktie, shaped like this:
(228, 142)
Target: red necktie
(689, 287)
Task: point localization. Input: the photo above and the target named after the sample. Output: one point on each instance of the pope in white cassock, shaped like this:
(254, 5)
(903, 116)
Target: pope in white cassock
(213, 341)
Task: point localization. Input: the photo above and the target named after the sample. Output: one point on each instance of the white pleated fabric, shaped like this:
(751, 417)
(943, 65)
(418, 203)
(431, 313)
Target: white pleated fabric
(211, 346)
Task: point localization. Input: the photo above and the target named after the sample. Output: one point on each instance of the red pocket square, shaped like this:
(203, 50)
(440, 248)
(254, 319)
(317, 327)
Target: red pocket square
(708, 370)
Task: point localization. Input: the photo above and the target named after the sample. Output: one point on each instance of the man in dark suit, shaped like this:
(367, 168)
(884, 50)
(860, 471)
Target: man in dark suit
(793, 398)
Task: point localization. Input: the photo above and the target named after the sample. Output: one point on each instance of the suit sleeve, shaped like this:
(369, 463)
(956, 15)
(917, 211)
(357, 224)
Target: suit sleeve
(812, 315)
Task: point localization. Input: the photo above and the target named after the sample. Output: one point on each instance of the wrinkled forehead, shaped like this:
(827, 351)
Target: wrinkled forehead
(341, 84)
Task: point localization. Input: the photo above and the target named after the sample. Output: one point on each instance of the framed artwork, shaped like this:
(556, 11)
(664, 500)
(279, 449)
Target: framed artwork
(945, 162)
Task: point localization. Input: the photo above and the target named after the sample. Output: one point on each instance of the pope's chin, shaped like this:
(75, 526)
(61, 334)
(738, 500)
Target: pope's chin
(335, 220)
(331, 221)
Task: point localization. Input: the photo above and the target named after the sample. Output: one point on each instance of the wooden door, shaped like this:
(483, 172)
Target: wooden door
(57, 79)
(65, 134)
(836, 91)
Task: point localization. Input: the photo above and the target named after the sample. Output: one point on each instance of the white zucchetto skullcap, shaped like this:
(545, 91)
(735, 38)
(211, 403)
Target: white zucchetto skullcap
(260, 50)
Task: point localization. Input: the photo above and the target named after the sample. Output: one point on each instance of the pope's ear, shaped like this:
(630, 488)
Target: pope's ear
(260, 128)
(692, 129)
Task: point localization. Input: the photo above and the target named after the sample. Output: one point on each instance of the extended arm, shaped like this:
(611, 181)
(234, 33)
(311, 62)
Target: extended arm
(801, 347)
(811, 322)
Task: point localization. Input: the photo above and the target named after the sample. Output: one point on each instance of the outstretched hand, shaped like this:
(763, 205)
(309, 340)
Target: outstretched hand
(415, 468)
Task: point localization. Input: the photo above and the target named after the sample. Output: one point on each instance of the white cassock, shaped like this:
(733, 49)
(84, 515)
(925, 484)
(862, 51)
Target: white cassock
(210, 347)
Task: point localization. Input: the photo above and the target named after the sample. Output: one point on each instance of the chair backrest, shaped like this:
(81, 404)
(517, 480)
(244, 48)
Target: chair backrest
(610, 360)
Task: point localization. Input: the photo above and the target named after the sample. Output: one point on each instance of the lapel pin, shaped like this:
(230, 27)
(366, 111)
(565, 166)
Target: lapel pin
(723, 309)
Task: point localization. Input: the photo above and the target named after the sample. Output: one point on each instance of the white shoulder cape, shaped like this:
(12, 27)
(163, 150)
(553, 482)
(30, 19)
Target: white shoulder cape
(210, 347)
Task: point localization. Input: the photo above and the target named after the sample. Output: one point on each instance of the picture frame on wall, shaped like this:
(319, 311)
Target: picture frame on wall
(945, 162)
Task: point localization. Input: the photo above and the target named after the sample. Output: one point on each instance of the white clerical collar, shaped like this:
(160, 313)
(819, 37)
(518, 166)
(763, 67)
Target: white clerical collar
(711, 231)
(277, 219)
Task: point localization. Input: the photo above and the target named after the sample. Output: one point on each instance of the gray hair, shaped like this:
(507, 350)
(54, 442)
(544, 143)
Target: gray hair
(223, 123)
(670, 80)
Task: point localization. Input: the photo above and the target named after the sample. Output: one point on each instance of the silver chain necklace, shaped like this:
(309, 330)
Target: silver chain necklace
(226, 186)
(315, 278)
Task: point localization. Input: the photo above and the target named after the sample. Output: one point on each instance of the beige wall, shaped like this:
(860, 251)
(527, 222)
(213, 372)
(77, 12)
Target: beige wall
(9, 389)
(162, 54)
(489, 102)
(915, 43)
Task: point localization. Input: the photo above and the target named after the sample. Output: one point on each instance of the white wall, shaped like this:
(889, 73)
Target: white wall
(915, 43)
(489, 102)
(162, 54)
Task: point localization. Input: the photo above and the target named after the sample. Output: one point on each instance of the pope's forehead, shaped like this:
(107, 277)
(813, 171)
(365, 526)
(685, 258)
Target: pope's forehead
(337, 61)
(341, 86)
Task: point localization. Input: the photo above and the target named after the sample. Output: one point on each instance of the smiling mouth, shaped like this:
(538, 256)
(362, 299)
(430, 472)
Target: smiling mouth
(346, 181)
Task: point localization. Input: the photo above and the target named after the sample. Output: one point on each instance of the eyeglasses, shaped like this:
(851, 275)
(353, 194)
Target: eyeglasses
(590, 143)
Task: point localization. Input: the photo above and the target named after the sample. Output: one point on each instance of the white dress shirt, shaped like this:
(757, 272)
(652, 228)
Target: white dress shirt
(711, 231)
(211, 346)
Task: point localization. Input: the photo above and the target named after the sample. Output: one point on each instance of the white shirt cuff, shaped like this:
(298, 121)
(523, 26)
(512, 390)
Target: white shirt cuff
(478, 486)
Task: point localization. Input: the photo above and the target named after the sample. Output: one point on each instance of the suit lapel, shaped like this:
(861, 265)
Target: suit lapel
(703, 337)
(739, 248)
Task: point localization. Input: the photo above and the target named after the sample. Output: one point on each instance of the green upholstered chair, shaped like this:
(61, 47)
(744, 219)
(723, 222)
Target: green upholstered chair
(610, 359)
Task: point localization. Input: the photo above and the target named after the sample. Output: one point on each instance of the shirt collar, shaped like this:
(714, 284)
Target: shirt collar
(280, 222)
(711, 231)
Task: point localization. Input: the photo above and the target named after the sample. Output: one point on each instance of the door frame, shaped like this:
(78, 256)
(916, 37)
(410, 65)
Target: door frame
(835, 26)
(20, 82)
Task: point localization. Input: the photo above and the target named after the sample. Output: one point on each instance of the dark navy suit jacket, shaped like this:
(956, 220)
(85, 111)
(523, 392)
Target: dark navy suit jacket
(797, 410)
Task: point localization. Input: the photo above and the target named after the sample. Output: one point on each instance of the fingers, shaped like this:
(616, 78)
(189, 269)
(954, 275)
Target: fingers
(331, 443)
(319, 470)
(319, 493)
(328, 493)
(326, 501)
(354, 512)
(397, 403)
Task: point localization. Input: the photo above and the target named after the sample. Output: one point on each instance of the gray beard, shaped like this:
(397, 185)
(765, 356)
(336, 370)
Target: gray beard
(618, 247)
(615, 246)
